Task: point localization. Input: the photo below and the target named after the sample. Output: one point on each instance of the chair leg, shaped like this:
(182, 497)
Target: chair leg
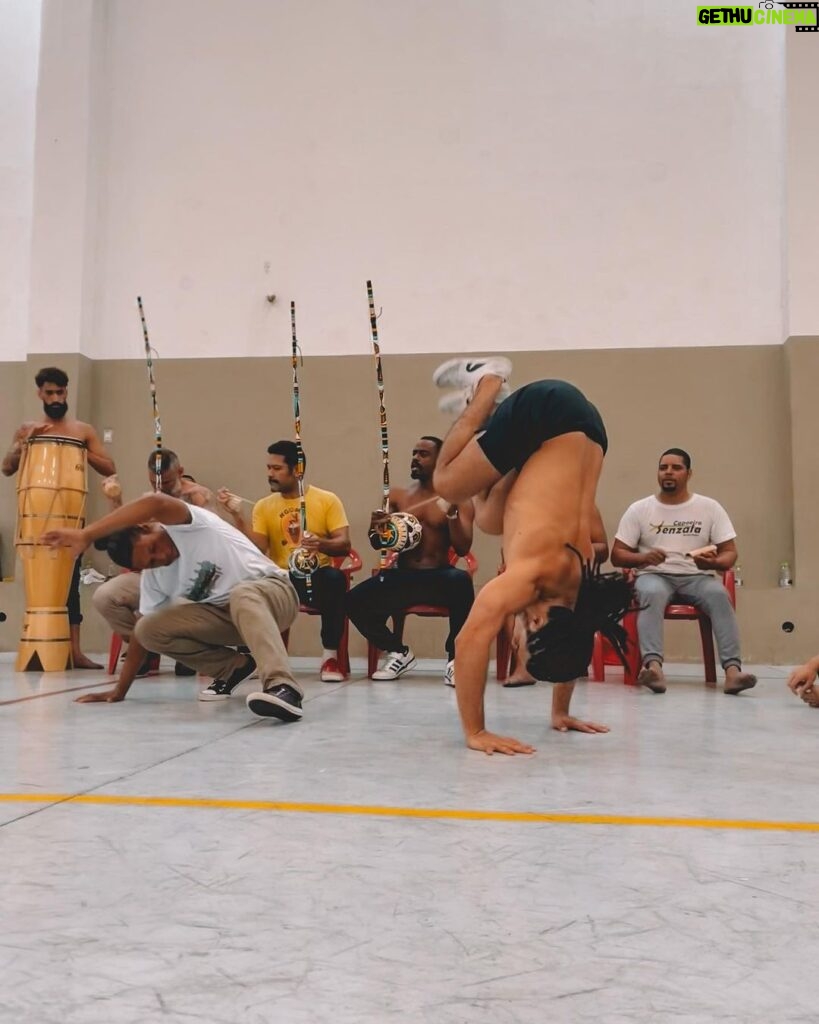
(633, 660)
(114, 651)
(598, 664)
(708, 658)
(344, 649)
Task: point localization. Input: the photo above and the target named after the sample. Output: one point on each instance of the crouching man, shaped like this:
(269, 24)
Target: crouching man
(204, 588)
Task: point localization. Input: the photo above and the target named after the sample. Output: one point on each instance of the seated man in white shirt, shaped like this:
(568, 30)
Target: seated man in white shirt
(676, 541)
(204, 588)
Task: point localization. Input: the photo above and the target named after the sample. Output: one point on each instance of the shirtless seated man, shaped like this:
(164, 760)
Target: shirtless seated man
(533, 470)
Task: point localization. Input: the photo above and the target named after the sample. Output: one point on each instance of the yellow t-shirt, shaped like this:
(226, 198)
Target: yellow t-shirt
(279, 519)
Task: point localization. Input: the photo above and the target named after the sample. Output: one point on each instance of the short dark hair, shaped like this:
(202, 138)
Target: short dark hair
(435, 440)
(52, 375)
(289, 450)
(682, 454)
(120, 546)
(169, 459)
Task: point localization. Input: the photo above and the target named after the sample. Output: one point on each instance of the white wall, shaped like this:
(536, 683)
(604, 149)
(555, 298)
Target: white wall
(803, 195)
(19, 47)
(517, 175)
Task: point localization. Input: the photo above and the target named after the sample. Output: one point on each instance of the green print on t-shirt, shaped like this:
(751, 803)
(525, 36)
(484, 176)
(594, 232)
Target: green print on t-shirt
(202, 586)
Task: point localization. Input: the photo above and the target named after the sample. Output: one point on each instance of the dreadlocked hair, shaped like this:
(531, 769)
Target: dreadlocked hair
(561, 650)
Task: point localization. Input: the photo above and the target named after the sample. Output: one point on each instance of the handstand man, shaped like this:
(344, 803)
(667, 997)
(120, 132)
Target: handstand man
(532, 470)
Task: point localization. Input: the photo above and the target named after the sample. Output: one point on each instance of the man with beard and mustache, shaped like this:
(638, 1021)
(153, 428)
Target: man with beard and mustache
(52, 390)
(423, 574)
(676, 541)
(275, 529)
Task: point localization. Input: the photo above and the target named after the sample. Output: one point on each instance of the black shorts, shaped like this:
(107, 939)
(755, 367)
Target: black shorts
(536, 413)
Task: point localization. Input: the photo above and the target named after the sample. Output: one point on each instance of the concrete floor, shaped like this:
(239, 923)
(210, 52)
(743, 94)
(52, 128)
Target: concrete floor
(169, 860)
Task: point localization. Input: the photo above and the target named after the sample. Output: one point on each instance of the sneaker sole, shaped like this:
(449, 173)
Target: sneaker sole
(439, 377)
(208, 698)
(265, 705)
(332, 679)
(443, 370)
(392, 677)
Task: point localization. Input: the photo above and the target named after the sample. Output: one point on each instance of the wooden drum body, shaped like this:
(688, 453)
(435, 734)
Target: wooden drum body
(51, 492)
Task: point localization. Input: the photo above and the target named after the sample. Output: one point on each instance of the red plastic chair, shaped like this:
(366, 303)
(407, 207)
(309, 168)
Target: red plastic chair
(426, 611)
(603, 654)
(353, 564)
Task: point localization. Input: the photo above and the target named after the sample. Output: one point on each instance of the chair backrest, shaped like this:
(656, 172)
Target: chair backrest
(470, 560)
(352, 558)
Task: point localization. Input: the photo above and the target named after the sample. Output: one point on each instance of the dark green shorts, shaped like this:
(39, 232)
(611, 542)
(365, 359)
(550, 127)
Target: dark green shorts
(536, 413)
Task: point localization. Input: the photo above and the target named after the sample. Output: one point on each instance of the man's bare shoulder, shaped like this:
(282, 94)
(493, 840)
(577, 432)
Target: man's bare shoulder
(196, 494)
(78, 430)
(400, 498)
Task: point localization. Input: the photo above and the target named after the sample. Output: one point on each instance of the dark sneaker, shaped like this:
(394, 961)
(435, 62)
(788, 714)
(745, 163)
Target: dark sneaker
(221, 689)
(149, 666)
(282, 702)
(183, 670)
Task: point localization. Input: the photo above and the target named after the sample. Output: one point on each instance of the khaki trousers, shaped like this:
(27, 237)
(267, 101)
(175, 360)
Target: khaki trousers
(203, 635)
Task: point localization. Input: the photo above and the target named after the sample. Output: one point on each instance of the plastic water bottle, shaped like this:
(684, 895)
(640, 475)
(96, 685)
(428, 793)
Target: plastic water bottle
(737, 575)
(785, 579)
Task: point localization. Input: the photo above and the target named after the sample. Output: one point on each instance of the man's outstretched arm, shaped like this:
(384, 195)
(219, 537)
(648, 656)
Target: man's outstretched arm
(158, 508)
(501, 596)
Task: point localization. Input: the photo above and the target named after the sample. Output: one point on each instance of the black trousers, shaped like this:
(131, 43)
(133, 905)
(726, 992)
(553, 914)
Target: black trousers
(372, 602)
(328, 588)
(73, 602)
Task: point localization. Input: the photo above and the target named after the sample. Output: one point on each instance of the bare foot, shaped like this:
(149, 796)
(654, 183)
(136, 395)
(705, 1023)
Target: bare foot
(511, 683)
(736, 681)
(652, 676)
(80, 661)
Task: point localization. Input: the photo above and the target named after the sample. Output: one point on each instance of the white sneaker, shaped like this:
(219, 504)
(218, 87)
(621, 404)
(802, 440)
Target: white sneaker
(449, 674)
(395, 665)
(465, 373)
(454, 402)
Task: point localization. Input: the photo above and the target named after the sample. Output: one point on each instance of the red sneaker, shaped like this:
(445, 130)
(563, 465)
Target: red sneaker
(330, 672)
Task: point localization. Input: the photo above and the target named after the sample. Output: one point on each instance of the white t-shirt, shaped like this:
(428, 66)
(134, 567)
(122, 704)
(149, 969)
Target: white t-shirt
(675, 529)
(213, 557)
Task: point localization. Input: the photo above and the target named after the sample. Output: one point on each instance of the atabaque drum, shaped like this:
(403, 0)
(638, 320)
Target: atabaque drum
(51, 491)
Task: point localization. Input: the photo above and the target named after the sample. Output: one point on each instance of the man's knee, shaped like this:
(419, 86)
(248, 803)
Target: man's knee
(714, 598)
(149, 634)
(449, 487)
(651, 593)
(101, 599)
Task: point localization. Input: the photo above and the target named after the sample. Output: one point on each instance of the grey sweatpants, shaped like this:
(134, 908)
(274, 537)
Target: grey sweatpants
(656, 589)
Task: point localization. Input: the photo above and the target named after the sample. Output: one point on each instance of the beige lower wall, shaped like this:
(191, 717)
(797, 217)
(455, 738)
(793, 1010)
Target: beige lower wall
(731, 408)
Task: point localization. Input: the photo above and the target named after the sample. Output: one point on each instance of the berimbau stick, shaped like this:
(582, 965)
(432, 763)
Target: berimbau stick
(152, 386)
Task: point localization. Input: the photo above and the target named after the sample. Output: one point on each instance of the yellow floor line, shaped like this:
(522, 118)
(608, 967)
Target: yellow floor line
(454, 814)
